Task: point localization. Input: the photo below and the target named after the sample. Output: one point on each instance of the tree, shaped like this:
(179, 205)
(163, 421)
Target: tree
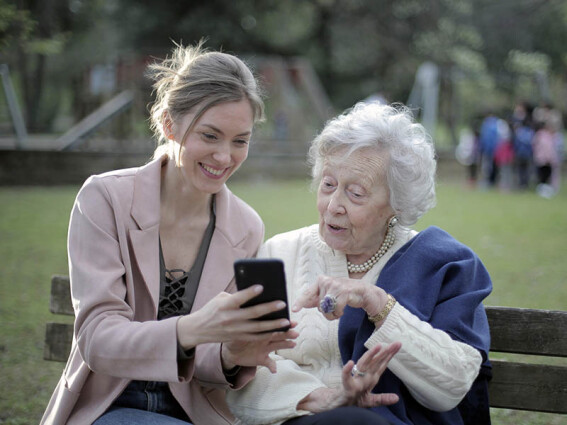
(36, 37)
(356, 46)
(42, 33)
(15, 25)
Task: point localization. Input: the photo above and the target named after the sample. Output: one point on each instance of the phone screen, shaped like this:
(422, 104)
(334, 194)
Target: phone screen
(268, 272)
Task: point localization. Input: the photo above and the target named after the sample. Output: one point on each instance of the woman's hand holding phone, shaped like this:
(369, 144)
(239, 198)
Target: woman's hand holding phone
(222, 320)
(257, 353)
(248, 333)
(269, 274)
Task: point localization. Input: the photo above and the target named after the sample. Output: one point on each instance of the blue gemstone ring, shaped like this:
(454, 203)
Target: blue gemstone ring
(328, 304)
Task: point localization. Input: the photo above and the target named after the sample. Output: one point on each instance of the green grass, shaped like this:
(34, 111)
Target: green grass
(33, 227)
(521, 238)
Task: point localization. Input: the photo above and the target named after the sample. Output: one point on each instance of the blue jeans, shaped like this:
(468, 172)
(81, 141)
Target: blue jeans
(129, 416)
(145, 402)
(347, 415)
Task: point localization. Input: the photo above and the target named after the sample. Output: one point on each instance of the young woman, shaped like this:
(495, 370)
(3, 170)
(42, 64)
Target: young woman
(158, 337)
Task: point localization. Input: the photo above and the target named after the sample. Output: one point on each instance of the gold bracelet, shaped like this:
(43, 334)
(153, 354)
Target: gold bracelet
(385, 311)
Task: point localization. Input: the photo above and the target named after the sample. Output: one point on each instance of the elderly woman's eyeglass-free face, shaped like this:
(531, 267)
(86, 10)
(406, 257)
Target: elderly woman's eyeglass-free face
(353, 201)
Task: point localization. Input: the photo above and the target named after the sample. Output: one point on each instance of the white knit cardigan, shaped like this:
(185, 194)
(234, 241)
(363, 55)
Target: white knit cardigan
(437, 370)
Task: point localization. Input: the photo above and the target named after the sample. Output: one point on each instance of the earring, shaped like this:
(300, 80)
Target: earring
(393, 221)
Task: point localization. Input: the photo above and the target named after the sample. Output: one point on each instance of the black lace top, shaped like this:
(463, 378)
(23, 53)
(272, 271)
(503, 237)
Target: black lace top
(178, 287)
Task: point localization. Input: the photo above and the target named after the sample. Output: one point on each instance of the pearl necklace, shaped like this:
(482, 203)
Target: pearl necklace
(389, 240)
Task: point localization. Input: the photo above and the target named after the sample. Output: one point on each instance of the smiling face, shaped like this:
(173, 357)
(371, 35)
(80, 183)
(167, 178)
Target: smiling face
(353, 201)
(216, 146)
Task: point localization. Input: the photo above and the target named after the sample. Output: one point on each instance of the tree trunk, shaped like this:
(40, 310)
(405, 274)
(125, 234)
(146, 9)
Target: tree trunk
(32, 66)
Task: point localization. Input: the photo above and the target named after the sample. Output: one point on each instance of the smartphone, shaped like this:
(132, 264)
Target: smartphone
(268, 272)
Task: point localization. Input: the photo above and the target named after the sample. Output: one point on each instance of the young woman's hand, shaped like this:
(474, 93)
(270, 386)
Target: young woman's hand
(222, 320)
(257, 353)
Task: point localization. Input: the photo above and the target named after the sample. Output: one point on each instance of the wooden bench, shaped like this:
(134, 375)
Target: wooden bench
(515, 385)
(58, 336)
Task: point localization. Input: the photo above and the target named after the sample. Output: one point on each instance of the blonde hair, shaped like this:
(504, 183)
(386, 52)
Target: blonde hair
(194, 80)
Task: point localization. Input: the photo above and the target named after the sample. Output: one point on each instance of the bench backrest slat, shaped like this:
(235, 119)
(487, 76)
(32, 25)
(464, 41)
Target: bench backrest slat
(60, 301)
(526, 331)
(58, 339)
(541, 388)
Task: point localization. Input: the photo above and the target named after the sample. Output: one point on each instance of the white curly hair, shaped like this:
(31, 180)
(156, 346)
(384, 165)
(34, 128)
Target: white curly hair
(396, 136)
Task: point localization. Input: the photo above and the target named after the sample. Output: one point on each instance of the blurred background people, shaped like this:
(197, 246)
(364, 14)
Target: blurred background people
(522, 136)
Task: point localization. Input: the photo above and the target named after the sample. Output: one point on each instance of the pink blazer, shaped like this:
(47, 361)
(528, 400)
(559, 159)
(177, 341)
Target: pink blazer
(114, 270)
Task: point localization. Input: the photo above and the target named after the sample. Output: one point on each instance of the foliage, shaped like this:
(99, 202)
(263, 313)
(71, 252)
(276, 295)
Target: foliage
(15, 25)
(527, 63)
(38, 43)
(358, 47)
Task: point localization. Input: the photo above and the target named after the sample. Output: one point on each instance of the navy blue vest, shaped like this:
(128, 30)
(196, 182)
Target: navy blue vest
(442, 282)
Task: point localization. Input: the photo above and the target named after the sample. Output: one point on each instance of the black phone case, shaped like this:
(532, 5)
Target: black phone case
(268, 272)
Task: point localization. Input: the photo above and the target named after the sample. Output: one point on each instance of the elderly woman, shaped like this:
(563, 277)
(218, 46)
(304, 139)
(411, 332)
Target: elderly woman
(378, 286)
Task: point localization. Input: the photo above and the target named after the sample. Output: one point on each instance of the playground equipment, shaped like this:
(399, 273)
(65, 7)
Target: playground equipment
(17, 119)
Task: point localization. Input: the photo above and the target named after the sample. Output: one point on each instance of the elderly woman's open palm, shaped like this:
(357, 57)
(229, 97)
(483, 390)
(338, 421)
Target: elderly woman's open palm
(358, 381)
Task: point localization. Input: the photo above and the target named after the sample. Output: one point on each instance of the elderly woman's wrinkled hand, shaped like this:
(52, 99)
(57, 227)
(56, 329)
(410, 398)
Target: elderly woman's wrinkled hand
(359, 379)
(357, 386)
(331, 295)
